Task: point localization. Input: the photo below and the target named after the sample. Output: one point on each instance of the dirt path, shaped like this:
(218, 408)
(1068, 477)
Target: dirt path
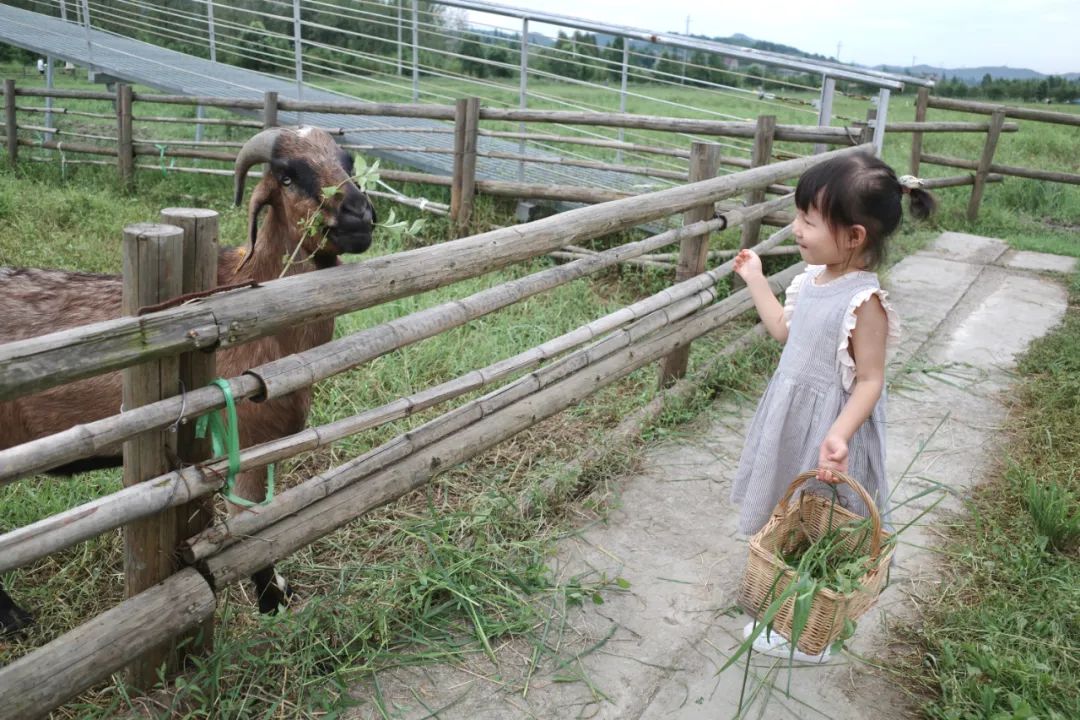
(968, 305)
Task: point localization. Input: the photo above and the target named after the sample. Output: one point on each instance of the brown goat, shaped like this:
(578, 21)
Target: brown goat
(300, 163)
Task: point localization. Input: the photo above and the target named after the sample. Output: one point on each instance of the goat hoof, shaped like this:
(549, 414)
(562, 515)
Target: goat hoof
(14, 620)
(273, 590)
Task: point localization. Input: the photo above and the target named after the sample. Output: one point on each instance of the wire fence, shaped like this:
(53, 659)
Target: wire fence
(422, 51)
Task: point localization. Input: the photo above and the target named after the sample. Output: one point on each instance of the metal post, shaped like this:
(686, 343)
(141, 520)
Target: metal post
(882, 118)
(415, 50)
(298, 51)
(200, 113)
(48, 98)
(399, 32)
(828, 89)
(523, 92)
(210, 30)
(86, 26)
(63, 10)
(622, 89)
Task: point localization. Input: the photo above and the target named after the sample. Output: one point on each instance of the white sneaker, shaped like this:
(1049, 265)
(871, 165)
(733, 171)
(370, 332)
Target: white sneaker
(775, 645)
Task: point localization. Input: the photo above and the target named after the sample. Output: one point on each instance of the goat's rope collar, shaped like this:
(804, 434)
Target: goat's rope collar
(225, 438)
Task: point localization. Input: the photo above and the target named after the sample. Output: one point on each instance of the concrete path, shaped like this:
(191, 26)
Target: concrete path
(969, 305)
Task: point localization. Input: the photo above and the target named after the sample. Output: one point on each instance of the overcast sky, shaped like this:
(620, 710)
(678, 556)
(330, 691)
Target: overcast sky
(1043, 35)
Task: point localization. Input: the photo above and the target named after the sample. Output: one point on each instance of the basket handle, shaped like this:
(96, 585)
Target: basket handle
(836, 479)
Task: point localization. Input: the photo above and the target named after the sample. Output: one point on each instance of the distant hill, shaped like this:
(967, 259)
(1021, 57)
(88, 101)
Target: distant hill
(973, 75)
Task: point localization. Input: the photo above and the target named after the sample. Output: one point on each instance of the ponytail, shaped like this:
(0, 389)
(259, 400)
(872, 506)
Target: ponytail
(921, 204)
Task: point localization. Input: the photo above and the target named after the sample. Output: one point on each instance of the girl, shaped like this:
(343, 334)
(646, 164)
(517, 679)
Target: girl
(825, 404)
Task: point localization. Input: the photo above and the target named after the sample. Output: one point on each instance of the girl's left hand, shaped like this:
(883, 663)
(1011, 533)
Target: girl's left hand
(833, 455)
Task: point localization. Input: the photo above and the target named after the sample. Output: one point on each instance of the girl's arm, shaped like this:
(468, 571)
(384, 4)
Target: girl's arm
(771, 312)
(868, 346)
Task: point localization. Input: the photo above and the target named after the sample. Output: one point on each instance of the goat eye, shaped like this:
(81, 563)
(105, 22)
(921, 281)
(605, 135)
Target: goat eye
(286, 180)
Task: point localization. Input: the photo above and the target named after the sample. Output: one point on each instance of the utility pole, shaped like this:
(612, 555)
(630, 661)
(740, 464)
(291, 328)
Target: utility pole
(839, 44)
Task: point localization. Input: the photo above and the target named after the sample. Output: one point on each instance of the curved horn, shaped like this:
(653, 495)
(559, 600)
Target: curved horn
(258, 149)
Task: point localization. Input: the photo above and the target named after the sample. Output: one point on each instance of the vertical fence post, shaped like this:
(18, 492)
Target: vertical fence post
(400, 40)
(11, 127)
(298, 53)
(153, 271)
(867, 133)
(211, 34)
(997, 119)
(463, 188)
(49, 62)
(197, 369)
(882, 118)
(523, 91)
(760, 155)
(693, 251)
(921, 102)
(623, 77)
(269, 109)
(828, 90)
(415, 50)
(125, 145)
(86, 29)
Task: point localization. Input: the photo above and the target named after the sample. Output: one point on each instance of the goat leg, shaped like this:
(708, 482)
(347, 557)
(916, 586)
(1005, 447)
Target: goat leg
(13, 619)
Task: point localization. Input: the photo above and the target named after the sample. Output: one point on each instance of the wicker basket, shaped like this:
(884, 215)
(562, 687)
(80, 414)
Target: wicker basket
(809, 519)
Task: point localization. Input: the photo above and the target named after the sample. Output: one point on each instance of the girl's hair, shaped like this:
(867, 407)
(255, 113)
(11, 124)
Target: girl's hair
(860, 189)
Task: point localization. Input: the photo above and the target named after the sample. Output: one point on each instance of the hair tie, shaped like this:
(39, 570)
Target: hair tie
(909, 183)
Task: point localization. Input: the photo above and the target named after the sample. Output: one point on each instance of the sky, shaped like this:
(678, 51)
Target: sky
(1042, 35)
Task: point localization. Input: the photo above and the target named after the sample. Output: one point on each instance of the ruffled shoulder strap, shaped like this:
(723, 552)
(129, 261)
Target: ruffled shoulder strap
(843, 357)
(792, 293)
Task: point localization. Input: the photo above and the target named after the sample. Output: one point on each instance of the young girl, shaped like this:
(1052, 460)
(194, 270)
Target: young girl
(825, 405)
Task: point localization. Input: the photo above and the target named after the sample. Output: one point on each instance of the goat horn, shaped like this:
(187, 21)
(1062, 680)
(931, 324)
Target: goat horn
(258, 149)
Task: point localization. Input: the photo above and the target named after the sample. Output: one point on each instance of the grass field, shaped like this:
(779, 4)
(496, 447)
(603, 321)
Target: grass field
(434, 576)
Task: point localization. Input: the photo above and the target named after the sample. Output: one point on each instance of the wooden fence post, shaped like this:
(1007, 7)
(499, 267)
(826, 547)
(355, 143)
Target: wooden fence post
(270, 109)
(197, 369)
(921, 101)
(463, 188)
(10, 124)
(997, 119)
(125, 157)
(693, 251)
(761, 155)
(153, 271)
(867, 133)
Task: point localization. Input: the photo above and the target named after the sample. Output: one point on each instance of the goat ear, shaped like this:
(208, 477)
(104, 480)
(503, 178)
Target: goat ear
(259, 200)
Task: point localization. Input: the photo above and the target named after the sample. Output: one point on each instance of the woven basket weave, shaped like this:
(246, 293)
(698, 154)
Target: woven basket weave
(810, 518)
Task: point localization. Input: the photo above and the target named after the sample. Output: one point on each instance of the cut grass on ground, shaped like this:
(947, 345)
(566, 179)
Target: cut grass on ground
(1000, 636)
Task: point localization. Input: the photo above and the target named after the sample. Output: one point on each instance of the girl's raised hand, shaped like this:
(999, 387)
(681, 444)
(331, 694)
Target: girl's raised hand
(747, 264)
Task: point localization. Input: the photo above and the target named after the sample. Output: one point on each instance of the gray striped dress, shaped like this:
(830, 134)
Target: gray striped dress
(805, 396)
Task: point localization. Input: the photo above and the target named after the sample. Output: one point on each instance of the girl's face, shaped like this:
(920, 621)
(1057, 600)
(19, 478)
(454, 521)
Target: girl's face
(819, 244)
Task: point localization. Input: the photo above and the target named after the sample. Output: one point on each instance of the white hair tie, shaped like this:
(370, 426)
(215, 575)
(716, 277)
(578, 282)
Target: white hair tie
(909, 183)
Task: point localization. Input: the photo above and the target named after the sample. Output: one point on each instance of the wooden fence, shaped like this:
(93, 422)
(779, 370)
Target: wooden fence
(130, 153)
(986, 170)
(576, 364)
